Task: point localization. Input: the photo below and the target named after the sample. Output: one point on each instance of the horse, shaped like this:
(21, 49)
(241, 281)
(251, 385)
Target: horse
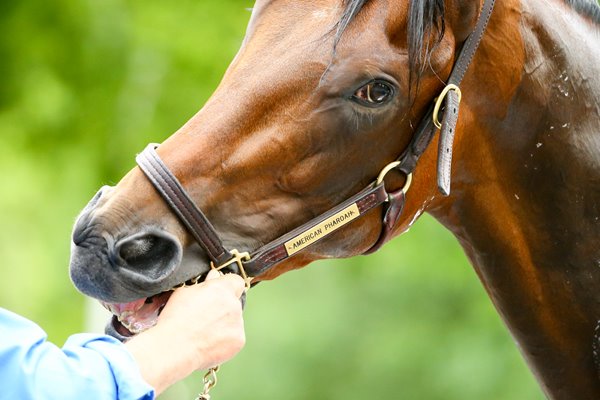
(321, 97)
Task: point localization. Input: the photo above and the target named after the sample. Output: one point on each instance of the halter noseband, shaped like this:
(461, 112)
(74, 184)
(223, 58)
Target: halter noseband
(374, 195)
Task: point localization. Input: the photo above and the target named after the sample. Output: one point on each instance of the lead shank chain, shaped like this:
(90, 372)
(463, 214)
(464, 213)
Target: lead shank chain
(210, 381)
(210, 378)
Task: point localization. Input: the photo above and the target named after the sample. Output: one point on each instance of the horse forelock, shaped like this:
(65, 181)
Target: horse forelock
(425, 25)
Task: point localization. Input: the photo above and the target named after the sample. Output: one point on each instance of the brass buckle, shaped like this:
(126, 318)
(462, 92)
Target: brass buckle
(440, 100)
(238, 258)
(387, 169)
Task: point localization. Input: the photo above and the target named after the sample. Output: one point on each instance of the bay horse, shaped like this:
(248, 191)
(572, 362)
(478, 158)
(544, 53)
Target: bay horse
(322, 95)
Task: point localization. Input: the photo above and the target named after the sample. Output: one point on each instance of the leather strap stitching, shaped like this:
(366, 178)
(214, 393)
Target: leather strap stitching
(176, 197)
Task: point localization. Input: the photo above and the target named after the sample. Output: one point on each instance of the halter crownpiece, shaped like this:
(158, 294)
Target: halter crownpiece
(448, 101)
(261, 260)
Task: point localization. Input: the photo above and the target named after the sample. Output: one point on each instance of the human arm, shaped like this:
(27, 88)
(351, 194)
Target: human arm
(199, 328)
(94, 367)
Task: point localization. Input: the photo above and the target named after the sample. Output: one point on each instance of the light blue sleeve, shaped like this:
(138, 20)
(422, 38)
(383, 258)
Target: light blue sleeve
(89, 366)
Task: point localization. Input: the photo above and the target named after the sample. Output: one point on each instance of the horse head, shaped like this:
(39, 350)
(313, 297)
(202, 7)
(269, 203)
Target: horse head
(308, 113)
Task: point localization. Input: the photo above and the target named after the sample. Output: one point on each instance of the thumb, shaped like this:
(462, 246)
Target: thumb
(213, 274)
(232, 281)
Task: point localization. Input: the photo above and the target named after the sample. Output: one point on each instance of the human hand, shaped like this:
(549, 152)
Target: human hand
(200, 327)
(208, 317)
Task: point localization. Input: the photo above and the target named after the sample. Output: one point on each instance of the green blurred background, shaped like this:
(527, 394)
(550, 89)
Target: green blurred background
(86, 84)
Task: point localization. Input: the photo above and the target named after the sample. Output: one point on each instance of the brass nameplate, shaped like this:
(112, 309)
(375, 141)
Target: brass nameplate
(326, 227)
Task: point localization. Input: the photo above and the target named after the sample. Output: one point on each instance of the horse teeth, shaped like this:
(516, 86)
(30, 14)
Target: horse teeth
(136, 327)
(124, 316)
(131, 327)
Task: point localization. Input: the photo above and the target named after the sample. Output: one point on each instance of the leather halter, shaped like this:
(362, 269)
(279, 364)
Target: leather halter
(371, 197)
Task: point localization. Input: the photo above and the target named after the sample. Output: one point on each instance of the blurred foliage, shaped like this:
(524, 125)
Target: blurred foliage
(85, 84)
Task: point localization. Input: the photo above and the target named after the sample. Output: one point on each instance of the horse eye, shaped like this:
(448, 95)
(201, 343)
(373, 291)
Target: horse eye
(374, 93)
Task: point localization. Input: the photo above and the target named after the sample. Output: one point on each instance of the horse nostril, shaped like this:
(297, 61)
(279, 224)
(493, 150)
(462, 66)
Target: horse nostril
(82, 229)
(99, 194)
(137, 248)
(152, 253)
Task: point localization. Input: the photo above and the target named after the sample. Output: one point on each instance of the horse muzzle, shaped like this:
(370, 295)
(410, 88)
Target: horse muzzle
(130, 267)
(117, 260)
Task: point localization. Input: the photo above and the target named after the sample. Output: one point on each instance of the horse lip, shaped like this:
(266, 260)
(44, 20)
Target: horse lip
(111, 330)
(111, 327)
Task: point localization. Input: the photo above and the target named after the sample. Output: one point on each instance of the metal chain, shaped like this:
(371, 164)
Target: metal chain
(210, 381)
(210, 378)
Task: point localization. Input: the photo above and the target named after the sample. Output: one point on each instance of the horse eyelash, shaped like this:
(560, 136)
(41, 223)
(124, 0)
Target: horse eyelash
(358, 116)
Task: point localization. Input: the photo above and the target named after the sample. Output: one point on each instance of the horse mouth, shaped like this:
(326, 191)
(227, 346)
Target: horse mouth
(139, 315)
(130, 319)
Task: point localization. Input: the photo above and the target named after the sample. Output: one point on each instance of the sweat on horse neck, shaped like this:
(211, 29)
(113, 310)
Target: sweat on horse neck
(526, 187)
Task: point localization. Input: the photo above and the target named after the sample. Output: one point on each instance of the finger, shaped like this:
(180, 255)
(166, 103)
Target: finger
(235, 283)
(213, 274)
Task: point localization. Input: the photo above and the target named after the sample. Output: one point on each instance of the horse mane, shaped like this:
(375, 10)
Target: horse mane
(426, 27)
(589, 8)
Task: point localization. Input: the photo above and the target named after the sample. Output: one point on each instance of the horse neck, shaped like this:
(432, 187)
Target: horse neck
(525, 201)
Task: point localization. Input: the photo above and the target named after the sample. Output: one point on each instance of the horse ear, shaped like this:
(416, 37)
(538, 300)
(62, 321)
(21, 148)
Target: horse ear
(462, 17)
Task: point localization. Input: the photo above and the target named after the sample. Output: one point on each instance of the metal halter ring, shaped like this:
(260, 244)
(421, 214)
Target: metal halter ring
(387, 169)
(440, 100)
(238, 258)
